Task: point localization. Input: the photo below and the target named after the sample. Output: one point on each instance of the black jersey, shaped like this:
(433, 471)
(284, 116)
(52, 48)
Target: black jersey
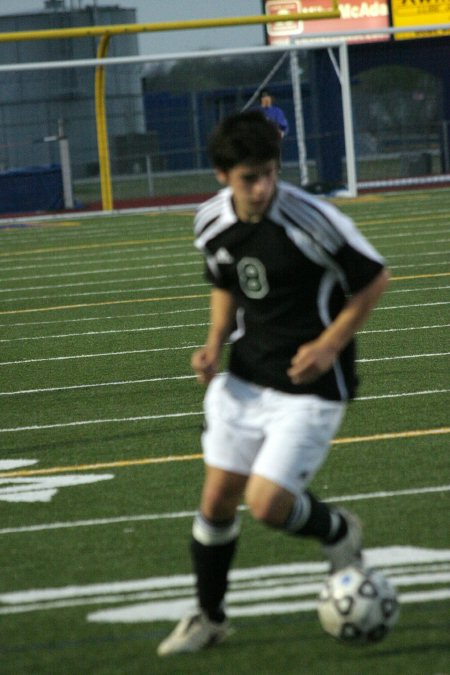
(290, 275)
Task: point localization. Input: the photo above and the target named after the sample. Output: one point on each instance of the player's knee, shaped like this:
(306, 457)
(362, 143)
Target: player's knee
(269, 510)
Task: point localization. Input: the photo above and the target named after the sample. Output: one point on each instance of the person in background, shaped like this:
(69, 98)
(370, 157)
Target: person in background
(273, 112)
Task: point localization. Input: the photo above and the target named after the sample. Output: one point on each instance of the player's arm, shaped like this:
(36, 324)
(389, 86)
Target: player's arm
(317, 357)
(205, 361)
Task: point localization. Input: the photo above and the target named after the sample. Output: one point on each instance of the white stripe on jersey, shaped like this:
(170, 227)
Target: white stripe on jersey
(314, 225)
(327, 284)
(334, 224)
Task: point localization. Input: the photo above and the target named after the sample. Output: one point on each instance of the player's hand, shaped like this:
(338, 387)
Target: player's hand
(310, 362)
(204, 362)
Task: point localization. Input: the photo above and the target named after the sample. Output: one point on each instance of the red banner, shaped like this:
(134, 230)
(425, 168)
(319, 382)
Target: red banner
(355, 15)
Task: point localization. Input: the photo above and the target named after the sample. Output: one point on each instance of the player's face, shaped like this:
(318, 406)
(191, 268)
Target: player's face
(253, 187)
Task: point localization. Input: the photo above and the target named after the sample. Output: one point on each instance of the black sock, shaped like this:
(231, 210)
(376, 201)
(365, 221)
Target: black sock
(211, 566)
(323, 522)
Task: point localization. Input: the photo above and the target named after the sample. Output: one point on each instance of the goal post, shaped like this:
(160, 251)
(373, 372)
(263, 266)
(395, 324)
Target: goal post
(155, 165)
(106, 32)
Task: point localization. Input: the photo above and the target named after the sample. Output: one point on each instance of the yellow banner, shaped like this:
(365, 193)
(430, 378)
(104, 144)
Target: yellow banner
(420, 13)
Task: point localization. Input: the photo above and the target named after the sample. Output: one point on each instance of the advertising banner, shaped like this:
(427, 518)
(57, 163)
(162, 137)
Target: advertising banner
(423, 13)
(355, 15)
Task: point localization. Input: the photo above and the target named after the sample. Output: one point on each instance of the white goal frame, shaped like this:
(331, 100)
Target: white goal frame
(339, 42)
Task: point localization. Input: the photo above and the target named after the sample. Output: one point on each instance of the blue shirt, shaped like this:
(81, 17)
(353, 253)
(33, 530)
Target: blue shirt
(277, 116)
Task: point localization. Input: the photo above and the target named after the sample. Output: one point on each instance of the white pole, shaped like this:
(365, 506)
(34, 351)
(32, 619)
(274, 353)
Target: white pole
(348, 120)
(299, 125)
(64, 155)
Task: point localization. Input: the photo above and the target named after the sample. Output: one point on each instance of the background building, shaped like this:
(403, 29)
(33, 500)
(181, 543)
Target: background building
(33, 104)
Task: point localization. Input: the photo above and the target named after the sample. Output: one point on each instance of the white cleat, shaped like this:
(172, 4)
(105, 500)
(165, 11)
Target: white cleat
(348, 550)
(194, 633)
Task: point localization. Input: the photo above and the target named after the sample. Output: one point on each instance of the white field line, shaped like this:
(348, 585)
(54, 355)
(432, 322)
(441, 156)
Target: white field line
(109, 318)
(399, 358)
(108, 332)
(163, 349)
(418, 266)
(145, 418)
(72, 263)
(410, 305)
(156, 265)
(124, 383)
(115, 291)
(421, 255)
(146, 258)
(87, 256)
(407, 233)
(116, 270)
(112, 420)
(182, 311)
(119, 383)
(113, 270)
(188, 325)
(93, 356)
(390, 291)
(95, 522)
(394, 330)
(100, 282)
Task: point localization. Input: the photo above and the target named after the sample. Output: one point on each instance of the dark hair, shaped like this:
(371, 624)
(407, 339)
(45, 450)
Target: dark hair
(244, 138)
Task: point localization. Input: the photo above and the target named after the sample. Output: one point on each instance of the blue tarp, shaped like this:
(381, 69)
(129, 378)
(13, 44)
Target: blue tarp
(34, 188)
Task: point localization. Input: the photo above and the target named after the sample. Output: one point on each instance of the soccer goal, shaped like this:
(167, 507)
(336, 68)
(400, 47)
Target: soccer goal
(355, 120)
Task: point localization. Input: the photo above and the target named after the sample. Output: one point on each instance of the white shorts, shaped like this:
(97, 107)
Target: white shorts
(256, 430)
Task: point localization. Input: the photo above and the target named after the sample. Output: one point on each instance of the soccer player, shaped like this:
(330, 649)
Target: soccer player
(273, 112)
(292, 281)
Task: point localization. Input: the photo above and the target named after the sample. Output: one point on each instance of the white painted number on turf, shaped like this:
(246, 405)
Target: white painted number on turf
(39, 488)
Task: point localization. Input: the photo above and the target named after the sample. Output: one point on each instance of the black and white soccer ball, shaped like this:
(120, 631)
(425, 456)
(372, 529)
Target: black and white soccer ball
(358, 606)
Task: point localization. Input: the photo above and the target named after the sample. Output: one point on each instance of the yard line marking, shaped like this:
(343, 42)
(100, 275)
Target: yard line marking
(114, 291)
(416, 290)
(105, 332)
(108, 282)
(133, 300)
(102, 303)
(92, 356)
(114, 270)
(425, 253)
(94, 385)
(418, 304)
(83, 247)
(145, 517)
(197, 309)
(112, 317)
(163, 349)
(190, 325)
(420, 265)
(93, 258)
(378, 397)
(112, 420)
(377, 330)
(45, 390)
(421, 276)
(405, 356)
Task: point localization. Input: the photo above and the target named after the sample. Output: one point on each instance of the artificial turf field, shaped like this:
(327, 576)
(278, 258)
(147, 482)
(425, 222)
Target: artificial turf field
(100, 467)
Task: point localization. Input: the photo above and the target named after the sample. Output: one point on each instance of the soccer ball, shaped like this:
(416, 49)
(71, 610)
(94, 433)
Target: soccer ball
(358, 606)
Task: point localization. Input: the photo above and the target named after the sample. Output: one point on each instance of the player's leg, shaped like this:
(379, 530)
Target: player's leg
(296, 446)
(215, 534)
(229, 449)
(214, 538)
